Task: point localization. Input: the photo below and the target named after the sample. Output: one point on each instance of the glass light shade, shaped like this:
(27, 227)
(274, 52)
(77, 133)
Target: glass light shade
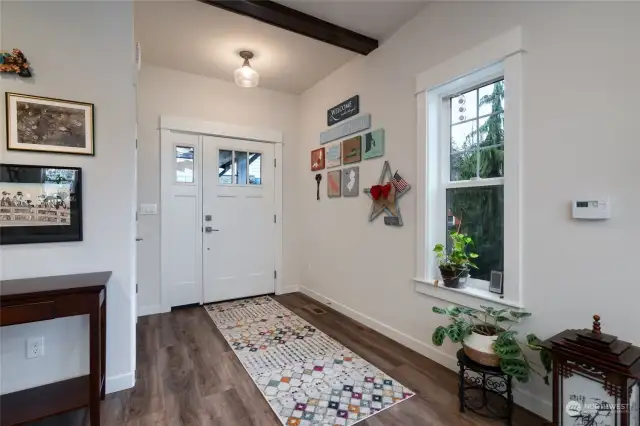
(245, 76)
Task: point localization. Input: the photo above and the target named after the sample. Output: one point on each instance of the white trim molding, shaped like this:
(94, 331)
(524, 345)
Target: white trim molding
(475, 59)
(214, 128)
(120, 382)
(470, 297)
(501, 56)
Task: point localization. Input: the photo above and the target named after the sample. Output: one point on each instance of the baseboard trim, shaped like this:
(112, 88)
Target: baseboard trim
(289, 289)
(523, 398)
(120, 382)
(149, 310)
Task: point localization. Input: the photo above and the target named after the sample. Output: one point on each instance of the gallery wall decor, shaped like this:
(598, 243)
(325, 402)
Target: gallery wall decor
(14, 62)
(333, 155)
(373, 144)
(317, 159)
(350, 181)
(333, 184)
(347, 128)
(343, 110)
(318, 180)
(385, 196)
(40, 204)
(51, 125)
(352, 150)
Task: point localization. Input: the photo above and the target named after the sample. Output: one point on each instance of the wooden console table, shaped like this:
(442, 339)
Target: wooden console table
(40, 299)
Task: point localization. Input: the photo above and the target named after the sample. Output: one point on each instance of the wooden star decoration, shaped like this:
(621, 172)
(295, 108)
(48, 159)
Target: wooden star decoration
(385, 195)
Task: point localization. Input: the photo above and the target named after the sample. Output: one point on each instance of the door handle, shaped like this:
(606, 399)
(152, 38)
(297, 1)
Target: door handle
(139, 239)
(210, 229)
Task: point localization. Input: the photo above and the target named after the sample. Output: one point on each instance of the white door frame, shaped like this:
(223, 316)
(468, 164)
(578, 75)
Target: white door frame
(170, 123)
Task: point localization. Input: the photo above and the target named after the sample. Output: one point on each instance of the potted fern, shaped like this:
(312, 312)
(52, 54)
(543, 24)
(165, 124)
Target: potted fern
(487, 339)
(454, 265)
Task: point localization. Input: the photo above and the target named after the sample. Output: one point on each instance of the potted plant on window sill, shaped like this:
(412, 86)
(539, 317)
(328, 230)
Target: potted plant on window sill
(454, 265)
(487, 339)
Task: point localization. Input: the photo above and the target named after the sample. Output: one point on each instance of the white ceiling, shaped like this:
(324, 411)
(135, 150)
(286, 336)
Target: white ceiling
(200, 39)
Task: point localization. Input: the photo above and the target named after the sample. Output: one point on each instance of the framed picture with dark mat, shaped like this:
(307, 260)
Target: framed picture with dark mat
(40, 204)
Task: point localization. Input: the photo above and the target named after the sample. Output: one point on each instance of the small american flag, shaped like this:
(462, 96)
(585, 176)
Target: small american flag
(400, 184)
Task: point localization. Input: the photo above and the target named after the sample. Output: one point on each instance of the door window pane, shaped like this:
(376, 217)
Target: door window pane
(225, 167)
(184, 164)
(241, 163)
(479, 213)
(255, 168)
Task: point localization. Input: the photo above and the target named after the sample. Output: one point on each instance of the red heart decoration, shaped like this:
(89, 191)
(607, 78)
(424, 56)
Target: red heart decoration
(375, 192)
(386, 189)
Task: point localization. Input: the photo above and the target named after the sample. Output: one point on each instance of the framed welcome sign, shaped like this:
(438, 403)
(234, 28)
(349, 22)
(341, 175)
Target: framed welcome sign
(343, 110)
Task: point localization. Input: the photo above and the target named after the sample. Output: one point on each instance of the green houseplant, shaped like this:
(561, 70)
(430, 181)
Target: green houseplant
(474, 328)
(455, 263)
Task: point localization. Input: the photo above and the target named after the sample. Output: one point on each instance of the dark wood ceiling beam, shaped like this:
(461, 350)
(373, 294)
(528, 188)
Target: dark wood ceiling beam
(289, 19)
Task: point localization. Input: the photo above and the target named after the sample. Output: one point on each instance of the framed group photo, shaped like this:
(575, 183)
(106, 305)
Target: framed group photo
(40, 204)
(49, 125)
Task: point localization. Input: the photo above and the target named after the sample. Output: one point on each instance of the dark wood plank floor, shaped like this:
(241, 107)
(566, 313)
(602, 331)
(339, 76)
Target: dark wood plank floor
(188, 375)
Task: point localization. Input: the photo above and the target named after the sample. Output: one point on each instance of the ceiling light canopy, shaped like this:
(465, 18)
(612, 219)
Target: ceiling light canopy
(245, 76)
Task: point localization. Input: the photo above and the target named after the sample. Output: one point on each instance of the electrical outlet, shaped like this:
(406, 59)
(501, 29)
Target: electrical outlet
(35, 347)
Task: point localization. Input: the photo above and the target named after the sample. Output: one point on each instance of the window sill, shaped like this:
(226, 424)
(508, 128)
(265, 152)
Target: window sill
(471, 297)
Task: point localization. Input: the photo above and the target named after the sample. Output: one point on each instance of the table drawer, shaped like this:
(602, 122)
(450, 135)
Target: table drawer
(28, 312)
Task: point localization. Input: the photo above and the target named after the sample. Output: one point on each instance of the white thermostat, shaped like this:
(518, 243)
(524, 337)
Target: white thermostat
(591, 209)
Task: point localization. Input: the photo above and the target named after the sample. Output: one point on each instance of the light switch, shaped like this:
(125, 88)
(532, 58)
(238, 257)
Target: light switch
(148, 209)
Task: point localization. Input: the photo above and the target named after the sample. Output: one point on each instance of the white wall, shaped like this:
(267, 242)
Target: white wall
(79, 51)
(580, 138)
(162, 91)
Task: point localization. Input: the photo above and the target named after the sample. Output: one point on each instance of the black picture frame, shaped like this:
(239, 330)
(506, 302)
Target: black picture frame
(496, 282)
(55, 210)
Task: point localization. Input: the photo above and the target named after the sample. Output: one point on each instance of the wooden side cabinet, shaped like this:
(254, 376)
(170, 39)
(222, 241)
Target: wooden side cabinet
(39, 299)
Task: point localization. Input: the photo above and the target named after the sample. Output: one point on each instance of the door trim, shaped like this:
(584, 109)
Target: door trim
(170, 123)
(215, 128)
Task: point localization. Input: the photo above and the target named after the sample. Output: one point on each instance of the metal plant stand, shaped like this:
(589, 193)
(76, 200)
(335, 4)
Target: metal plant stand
(484, 390)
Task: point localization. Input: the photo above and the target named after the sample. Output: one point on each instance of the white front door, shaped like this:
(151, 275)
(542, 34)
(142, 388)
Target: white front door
(181, 266)
(238, 218)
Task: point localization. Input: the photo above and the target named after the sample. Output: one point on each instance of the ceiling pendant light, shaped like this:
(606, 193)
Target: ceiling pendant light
(245, 76)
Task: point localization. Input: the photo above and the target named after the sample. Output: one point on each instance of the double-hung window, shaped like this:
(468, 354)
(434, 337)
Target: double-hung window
(472, 179)
(469, 138)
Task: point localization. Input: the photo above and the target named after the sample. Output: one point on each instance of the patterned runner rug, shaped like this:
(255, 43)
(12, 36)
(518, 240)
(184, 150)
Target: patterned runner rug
(306, 377)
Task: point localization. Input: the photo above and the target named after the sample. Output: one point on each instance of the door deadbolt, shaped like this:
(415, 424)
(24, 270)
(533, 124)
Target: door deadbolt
(207, 218)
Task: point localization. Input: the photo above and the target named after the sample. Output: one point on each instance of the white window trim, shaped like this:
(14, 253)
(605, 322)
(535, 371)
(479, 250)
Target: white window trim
(501, 55)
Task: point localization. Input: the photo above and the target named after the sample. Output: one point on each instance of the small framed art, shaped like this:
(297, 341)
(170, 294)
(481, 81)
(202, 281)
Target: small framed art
(333, 183)
(495, 283)
(317, 159)
(352, 150)
(49, 125)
